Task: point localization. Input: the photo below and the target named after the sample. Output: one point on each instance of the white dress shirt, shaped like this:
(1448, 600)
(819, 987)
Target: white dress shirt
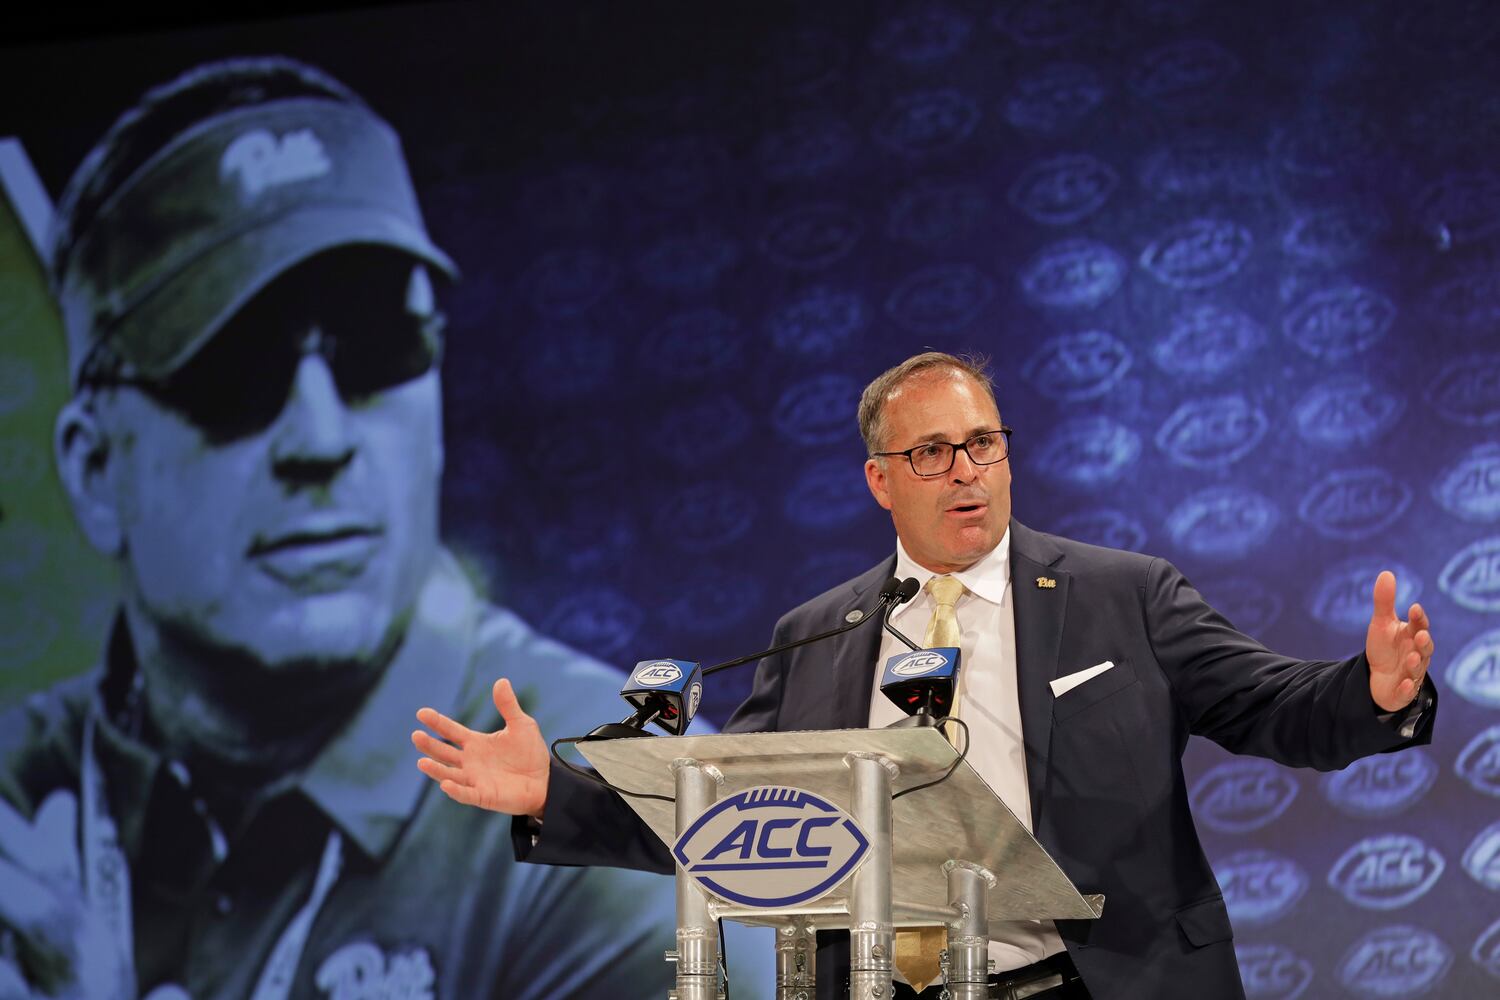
(989, 704)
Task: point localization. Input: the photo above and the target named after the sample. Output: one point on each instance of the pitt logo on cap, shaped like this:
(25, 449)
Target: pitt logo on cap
(261, 160)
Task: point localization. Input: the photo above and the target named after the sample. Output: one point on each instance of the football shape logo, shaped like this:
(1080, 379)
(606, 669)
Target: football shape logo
(771, 846)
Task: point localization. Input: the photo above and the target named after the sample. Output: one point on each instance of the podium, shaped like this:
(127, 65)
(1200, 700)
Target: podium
(949, 855)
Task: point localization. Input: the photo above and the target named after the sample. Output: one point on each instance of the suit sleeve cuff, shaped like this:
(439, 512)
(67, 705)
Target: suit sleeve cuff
(1406, 721)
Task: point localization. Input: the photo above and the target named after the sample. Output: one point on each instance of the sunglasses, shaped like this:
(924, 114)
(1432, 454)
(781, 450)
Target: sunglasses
(240, 381)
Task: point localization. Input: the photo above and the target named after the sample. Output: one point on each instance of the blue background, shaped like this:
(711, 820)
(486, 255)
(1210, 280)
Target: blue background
(1234, 265)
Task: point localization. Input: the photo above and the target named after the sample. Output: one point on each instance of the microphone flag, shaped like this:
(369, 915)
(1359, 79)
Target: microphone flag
(666, 692)
(923, 681)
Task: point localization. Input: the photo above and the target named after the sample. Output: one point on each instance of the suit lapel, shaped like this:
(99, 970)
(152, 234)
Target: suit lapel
(855, 652)
(1040, 609)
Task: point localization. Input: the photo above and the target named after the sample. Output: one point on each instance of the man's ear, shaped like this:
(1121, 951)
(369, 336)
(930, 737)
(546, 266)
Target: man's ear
(875, 479)
(82, 450)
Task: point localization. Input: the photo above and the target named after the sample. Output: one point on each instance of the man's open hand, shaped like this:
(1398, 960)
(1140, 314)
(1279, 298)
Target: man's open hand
(505, 771)
(1399, 651)
(55, 942)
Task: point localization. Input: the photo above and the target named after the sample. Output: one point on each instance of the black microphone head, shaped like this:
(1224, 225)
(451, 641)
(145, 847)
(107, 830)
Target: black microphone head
(890, 587)
(907, 589)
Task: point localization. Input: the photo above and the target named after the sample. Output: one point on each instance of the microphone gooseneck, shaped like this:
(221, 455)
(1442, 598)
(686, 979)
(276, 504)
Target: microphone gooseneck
(890, 595)
(905, 592)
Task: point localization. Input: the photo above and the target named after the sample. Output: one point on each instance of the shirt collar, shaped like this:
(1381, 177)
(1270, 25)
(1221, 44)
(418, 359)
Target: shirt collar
(986, 579)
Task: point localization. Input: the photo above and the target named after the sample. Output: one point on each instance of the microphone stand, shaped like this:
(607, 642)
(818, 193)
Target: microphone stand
(891, 594)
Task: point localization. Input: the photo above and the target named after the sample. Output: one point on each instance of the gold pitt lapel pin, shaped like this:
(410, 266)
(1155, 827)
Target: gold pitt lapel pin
(1046, 583)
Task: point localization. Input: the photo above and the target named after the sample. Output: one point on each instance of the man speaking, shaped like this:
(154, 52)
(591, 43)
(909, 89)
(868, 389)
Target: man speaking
(1086, 671)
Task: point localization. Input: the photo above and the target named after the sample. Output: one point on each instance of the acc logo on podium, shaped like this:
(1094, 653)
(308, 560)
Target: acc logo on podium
(771, 846)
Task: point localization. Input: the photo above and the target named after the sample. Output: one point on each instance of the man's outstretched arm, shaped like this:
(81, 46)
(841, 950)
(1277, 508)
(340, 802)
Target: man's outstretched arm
(510, 771)
(1302, 713)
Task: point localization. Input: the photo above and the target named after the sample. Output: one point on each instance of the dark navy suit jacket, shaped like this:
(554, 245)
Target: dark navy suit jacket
(1108, 796)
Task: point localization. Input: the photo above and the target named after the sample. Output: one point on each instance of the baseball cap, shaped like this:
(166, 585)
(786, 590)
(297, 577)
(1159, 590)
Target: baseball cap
(217, 214)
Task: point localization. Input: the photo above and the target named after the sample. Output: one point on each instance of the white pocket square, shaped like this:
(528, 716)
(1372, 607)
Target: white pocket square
(1063, 685)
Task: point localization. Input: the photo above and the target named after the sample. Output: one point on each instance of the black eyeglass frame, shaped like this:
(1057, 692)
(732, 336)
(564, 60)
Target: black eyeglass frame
(953, 455)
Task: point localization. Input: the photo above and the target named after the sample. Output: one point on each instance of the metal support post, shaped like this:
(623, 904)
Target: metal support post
(796, 960)
(871, 935)
(968, 935)
(697, 953)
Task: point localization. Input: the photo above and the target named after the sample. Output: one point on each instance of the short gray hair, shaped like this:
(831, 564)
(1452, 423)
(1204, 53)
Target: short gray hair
(872, 400)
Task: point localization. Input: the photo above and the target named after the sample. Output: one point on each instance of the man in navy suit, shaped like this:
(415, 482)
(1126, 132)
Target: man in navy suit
(1086, 669)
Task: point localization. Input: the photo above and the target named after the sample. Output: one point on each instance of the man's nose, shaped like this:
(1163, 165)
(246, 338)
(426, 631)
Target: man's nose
(964, 470)
(313, 437)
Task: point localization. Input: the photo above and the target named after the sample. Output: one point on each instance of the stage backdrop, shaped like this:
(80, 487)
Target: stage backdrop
(1235, 266)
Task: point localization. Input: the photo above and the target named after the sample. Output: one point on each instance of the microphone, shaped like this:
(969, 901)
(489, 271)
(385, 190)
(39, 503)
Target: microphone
(667, 693)
(664, 692)
(904, 592)
(921, 684)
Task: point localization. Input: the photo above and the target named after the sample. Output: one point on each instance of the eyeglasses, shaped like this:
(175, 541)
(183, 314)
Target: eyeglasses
(240, 381)
(933, 458)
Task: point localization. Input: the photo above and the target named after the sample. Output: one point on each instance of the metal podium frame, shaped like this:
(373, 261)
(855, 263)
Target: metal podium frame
(951, 855)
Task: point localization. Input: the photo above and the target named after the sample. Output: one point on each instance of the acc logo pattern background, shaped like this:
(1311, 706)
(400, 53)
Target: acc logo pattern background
(1236, 266)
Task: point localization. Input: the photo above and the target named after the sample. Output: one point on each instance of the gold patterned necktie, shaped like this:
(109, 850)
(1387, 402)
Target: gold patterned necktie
(918, 950)
(943, 630)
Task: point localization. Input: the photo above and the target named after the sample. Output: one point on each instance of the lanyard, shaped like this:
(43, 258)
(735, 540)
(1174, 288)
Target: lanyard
(106, 884)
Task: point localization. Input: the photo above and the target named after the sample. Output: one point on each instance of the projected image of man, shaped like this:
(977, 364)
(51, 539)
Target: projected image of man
(226, 807)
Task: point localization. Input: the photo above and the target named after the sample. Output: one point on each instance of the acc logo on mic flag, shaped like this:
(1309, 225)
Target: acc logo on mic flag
(924, 661)
(771, 846)
(670, 690)
(656, 673)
